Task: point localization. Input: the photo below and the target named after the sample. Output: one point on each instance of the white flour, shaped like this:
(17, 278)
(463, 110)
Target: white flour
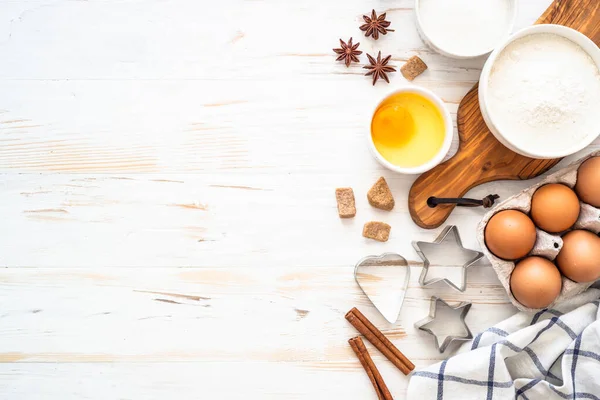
(465, 27)
(544, 92)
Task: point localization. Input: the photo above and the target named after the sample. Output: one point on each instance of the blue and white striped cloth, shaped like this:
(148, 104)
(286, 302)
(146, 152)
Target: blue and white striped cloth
(554, 354)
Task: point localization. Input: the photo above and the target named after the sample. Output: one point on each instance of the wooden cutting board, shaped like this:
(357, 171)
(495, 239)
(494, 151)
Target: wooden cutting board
(480, 157)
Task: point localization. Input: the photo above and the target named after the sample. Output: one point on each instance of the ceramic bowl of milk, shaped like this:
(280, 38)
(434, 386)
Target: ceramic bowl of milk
(539, 92)
(465, 28)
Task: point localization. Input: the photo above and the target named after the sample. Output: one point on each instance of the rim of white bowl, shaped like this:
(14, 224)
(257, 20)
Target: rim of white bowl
(568, 33)
(448, 131)
(426, 38)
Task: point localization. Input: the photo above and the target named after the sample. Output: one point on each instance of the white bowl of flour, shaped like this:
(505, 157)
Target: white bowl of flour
(539, 92)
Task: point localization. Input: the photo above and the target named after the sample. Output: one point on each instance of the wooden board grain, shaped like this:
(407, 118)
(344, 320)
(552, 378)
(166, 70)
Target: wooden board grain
(481, 157)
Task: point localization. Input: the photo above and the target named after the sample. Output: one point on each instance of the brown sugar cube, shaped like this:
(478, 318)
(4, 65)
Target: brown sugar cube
(345, 202)
(380, 195)
(377, 230)
(413, 68)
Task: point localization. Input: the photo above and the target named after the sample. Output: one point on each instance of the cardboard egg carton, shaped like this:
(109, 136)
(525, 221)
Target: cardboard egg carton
(547, 245)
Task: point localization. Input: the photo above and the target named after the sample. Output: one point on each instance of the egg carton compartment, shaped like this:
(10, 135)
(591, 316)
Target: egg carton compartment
(547, 245)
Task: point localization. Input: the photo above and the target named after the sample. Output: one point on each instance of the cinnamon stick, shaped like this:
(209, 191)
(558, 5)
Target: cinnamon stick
(357, 323)
(365, 359)
(378, 339)
(366, 367)
(383, 338)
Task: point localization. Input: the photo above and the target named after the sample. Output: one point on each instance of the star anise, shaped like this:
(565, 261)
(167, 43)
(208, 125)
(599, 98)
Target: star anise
(348, 52)
(375, 25)
(379, 68)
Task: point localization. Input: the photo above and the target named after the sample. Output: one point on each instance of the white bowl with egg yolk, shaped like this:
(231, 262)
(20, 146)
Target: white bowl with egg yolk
(447, 129)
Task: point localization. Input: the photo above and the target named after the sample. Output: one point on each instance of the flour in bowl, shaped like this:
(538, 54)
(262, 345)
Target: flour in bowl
(544, 93)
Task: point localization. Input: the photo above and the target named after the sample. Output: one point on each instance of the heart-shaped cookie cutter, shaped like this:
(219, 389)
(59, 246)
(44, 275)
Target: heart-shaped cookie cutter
(385, 260)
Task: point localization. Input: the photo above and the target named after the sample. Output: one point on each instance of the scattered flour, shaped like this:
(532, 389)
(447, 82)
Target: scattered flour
(544, 92)
(466, 27)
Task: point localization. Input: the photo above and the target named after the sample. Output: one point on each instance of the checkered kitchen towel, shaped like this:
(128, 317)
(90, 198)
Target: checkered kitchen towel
(554, 354)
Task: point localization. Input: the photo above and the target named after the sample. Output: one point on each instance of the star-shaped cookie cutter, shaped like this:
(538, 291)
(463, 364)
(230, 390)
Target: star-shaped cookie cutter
(461, 309)
(450, 233)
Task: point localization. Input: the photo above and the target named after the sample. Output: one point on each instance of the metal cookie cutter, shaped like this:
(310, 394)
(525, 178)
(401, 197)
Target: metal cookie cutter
(449, 247)
(439, 327)
(384, 280)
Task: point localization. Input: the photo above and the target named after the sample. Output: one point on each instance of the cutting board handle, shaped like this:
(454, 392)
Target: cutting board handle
(452, 178)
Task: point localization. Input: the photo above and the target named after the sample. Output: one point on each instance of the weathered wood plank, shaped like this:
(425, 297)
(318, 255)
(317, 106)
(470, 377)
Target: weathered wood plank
(193, 380)
(207, 314)
(250, 220)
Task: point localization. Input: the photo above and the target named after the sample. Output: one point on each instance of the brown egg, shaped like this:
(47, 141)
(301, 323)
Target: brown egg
(588, 182)
(579, 258)
(554, 208)
(535, 282)
(510, 234)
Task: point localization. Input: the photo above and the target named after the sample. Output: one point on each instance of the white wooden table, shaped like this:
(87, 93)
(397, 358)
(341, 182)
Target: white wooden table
(169, 222)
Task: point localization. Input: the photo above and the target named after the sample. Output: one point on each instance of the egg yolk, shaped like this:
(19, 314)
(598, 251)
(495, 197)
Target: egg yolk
(408, 130)
(394, 126)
